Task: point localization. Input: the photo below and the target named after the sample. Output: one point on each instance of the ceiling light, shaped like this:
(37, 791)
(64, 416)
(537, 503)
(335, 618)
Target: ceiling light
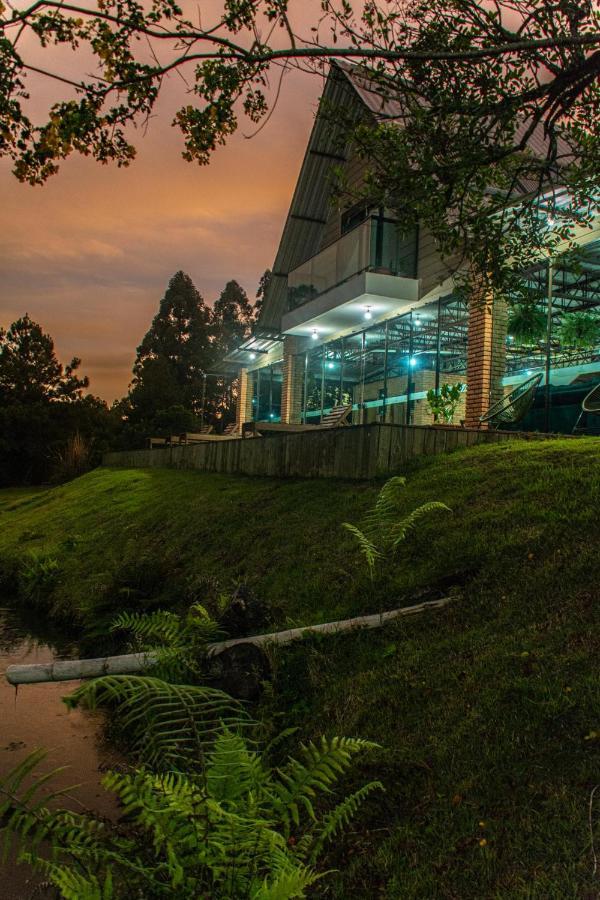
(253, 356)
(315, 334)
(368, 313)
(413, 361)
(330, 365)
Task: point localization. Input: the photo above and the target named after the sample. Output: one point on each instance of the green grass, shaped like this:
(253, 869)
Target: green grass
(485, 711)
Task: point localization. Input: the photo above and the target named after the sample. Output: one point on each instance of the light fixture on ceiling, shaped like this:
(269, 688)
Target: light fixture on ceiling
(368, 313)
(315, 334)
(417, 320)
(330, 365)
(413, 361)
(253, 356)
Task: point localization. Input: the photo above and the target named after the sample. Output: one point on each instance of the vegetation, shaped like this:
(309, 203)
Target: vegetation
(444, 402)
(484, 104)
(205, 813)
(580, 331)
(527, 324)
(486, 711)
(48, 429)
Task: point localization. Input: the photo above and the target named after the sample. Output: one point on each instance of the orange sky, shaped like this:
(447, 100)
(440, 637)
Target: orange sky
(89, 254)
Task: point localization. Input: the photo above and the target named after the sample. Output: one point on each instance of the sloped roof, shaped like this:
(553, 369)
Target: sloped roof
(302, 232)
(349, 89)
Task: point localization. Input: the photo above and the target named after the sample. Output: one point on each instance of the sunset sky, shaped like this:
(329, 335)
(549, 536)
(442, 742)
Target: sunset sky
(89, 254)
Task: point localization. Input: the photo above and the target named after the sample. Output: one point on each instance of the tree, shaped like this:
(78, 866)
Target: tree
(261, 290)
(174, 355)
(29, 369)
(48, 428)
(545, 53)
(474, 83)
(232, 317)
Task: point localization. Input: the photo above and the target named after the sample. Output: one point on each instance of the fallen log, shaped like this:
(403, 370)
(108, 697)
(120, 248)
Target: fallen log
(131, 663)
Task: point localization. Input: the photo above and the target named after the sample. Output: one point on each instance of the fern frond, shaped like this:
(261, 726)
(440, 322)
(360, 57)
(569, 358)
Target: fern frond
(400, 530)
(167, 724)
(288, 884)
(340, 817)
(366, 545)
(160, 625)
(322, 766)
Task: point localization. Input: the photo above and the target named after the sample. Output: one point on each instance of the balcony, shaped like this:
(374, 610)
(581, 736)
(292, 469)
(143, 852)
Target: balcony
(373, 266)
(375, 245)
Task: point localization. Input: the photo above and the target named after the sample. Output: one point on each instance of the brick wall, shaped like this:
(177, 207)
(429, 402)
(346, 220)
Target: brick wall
(293, 381)
(486, 354)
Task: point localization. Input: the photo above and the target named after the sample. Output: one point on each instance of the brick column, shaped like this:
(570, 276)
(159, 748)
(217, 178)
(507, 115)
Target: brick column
(293, 381)
(486, 355)
(243, 410)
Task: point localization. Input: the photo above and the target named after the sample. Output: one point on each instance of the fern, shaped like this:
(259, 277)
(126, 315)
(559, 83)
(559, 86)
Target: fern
(220, 831)
(383, 530)
(165, 724)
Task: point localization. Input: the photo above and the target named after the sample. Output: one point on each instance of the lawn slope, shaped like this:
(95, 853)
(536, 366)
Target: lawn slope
(488, 712)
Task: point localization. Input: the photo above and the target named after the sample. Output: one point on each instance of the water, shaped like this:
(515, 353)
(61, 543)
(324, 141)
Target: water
(34, 716)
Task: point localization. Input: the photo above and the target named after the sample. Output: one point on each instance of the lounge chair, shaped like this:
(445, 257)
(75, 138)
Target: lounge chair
(189, 437)
(231, 428)
(337, 417)
(590, 407)
(513, 408)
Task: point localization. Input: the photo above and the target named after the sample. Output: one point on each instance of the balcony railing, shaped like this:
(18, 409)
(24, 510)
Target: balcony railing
(376, 245)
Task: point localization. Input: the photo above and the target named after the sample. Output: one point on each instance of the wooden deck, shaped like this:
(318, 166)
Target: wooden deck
(358, 452)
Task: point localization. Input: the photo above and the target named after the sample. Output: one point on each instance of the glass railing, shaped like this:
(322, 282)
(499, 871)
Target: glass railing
(376, 245)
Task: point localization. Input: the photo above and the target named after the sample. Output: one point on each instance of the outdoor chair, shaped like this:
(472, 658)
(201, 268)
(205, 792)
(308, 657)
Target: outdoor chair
(589, 406)
(231, 428)
(513, 408)
(337, 417)
(190, 436)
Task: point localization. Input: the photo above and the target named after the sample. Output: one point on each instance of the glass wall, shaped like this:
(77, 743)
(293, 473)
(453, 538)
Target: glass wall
(375, 245)
(552, 327)
(386, 370)
(266, 393)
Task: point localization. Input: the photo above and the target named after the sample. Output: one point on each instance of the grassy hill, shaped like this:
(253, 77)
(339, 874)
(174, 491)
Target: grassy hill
(487, 712)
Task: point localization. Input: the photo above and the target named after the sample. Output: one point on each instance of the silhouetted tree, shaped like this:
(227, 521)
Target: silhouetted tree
(232, 317)
(175, 353)
(29, 369)
(263, 284)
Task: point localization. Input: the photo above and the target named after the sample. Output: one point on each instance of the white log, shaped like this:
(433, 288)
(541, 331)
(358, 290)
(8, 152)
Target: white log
(130, 663)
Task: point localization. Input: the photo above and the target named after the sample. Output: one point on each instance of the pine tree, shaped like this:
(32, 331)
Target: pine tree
(29, 369)
(261, 290)
(175, 353)
(232, 317)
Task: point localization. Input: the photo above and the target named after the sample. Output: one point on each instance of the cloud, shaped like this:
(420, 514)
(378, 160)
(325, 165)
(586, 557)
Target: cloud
(90, 253)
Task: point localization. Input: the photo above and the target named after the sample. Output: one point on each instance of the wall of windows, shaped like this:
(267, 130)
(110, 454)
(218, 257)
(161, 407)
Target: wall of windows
(266, 393)
(554, 330)
(386, 370)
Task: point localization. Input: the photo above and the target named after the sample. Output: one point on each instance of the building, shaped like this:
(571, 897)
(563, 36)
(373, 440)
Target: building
(360, 314)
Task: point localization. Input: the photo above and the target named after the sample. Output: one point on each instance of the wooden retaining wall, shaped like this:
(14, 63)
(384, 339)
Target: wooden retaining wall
(359, 452)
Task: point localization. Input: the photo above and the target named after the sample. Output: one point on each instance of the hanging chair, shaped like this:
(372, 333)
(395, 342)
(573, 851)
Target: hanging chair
(514, 407)
(590, 405)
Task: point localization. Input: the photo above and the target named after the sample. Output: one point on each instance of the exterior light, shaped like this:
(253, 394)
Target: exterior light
(330, 365)
(413, 361)
(368, 313)
(271, 415)
(253, 356)
(315, 334)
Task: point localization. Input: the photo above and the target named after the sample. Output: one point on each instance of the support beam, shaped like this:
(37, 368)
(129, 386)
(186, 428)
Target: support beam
(324, 155)
(308, 219)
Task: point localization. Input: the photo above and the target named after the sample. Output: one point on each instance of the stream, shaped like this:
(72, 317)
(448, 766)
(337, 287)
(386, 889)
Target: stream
(34, 716)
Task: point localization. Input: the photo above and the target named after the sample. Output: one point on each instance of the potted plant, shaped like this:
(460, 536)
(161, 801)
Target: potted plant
(527, 324)
(442, 404)
(580, 330)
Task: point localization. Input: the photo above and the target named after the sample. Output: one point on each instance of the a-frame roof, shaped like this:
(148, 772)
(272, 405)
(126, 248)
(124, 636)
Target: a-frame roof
(309, 209)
